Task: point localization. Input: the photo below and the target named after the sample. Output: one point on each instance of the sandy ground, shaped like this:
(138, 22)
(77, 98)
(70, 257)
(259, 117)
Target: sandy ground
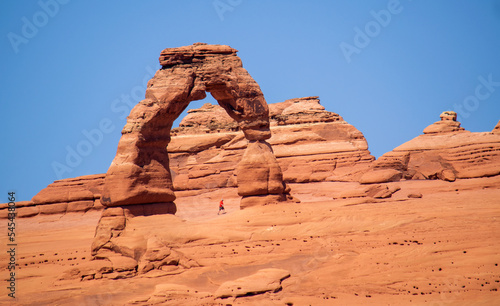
(441, 249)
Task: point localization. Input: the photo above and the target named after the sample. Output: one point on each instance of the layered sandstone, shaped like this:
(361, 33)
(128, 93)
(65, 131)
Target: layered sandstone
(446, 151)
(448, 123)
(78, 194)
(83, 188)
(206, 148)
(310, 144)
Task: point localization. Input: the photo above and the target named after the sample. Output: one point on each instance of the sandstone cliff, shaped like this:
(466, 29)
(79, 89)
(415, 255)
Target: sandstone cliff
(310, 144)
(445, 151)
(78, 194)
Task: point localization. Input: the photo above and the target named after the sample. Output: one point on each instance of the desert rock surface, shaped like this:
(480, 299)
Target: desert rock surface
(358, 249)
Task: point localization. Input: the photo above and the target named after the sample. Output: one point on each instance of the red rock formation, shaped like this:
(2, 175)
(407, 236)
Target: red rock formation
(310, 144)
(448, 123)
(83, 188)
(208, 145)
(207, 119)
(445, 151)
(259, 175)
(78, 194)
(140, 172)
(139, 182)
(496, 129)
(265, 280)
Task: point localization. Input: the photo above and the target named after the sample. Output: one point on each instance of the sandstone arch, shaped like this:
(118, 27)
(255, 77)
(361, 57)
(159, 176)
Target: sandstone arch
(139, 173)
(139, 183)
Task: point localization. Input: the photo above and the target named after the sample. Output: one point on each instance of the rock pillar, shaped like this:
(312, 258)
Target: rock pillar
(260, 179)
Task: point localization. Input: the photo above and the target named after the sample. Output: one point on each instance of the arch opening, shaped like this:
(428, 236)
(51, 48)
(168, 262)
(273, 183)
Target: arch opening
(140, 172)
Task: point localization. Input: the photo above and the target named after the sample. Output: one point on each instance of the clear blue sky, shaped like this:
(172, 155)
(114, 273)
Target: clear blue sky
(387, 67)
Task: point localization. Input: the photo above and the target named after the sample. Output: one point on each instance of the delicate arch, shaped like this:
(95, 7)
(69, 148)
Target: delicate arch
(140, 174)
